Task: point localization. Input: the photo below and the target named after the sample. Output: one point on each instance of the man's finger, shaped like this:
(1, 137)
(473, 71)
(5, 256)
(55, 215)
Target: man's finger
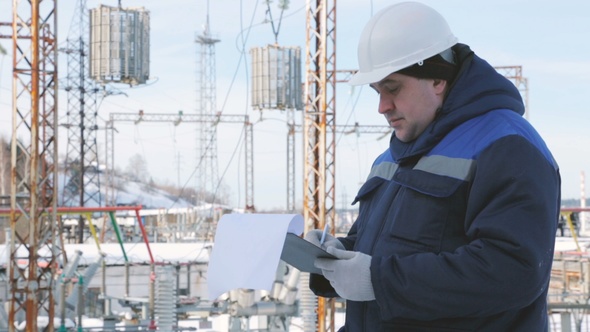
(341, 254)
(325, 264)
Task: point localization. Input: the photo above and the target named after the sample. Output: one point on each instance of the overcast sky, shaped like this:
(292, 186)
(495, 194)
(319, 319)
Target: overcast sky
(549, 39)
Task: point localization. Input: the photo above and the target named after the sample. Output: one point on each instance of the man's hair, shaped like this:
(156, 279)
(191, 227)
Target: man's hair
(441, 66)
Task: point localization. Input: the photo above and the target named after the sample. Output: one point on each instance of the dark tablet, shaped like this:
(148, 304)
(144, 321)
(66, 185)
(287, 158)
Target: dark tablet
(301, 254)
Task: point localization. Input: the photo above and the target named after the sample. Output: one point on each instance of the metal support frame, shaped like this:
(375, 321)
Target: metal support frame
(249, 144)
(109, 172)
(83, 185)
(319, 129)
(206, 101)
(290, 160)
(176, 119)
(33, 253)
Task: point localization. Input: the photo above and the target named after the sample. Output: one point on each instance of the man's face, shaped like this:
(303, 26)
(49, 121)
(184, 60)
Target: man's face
(409, 104)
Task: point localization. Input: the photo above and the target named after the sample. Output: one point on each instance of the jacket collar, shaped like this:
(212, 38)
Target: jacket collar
(477, 89)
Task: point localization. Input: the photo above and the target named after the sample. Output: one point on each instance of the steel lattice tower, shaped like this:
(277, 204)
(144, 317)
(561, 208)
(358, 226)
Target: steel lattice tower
(33, 203)
(319, 130)
(206, 102)
(82, 184)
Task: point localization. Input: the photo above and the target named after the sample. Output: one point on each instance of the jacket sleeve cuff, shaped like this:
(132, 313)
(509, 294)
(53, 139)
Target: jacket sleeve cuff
(320, 286)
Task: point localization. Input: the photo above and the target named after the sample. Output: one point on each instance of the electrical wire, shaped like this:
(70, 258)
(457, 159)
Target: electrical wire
(238, 147)
(276, 30)
(352, 112)
(214, 133)
(242, 53)
(201, 159)
(243, 37)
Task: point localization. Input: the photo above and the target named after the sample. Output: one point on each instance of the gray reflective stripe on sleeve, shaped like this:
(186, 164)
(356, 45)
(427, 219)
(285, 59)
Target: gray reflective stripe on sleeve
(384, 170)
(458, 168)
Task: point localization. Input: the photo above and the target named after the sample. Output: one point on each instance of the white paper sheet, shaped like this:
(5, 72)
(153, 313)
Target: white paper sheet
(247, 250)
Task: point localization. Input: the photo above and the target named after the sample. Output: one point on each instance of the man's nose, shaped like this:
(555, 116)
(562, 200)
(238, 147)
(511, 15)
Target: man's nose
(385, 104)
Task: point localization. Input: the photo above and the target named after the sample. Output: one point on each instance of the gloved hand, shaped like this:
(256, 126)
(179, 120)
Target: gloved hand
(350, 274)
(315, 235)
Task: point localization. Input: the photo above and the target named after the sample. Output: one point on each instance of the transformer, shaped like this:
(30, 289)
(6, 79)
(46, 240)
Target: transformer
(119, 45)
(276, 78)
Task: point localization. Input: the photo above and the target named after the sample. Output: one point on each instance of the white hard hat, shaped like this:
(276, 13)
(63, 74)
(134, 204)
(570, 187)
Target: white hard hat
(399, 36)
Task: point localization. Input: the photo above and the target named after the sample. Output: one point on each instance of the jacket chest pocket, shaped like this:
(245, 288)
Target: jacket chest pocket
(427, 214)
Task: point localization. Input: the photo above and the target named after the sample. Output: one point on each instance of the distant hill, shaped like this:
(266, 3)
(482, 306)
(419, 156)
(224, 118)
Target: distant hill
(126, 192)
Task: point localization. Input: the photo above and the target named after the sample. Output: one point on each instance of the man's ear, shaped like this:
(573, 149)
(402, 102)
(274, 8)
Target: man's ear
(439, 85)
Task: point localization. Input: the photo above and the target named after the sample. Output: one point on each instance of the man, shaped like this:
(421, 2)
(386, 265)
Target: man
(457, 219)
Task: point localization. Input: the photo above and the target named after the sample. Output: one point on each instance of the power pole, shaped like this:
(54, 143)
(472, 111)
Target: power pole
(319, 130)
(33, 202)
(206, 103)
(82, 185)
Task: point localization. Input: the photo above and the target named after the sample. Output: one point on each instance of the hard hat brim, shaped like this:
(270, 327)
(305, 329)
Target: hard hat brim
(377, 74)
(373, 76)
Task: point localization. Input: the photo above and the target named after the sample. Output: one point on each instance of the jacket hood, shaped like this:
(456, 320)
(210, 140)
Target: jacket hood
(477, 89)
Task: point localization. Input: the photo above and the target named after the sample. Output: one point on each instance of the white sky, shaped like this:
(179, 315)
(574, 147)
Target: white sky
(549, 39)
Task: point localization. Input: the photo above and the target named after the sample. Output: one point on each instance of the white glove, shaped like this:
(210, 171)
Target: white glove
(315, 235)
(350, 274)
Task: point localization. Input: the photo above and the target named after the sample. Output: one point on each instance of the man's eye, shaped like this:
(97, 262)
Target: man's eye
(391, 90)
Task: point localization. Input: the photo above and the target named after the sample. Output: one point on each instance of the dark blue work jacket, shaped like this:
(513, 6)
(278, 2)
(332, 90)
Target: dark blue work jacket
(461, 222)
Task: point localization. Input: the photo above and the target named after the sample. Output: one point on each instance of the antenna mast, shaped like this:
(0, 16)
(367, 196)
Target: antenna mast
(206, 102)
